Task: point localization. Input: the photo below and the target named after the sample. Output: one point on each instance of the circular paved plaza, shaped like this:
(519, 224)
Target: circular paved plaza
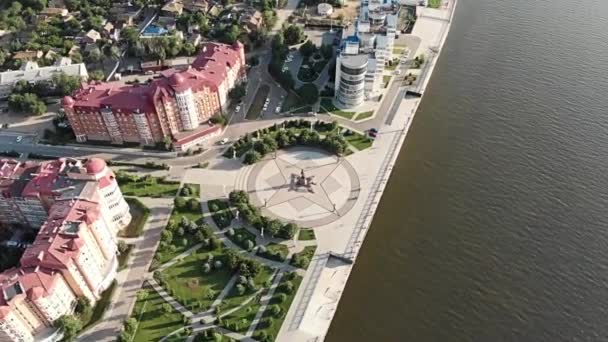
(306, 186)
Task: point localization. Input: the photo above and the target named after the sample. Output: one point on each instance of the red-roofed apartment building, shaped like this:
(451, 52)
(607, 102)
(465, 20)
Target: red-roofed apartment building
(74, 253)
(177, 105)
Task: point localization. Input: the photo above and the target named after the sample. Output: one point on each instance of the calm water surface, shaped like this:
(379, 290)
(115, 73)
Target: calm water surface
(494, 226)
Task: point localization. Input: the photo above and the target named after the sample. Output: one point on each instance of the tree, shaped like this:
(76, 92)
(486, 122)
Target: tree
(309, 93)
(166, 308)
(293, 34)
(273, 227)
(307, 49)
(238, 92)
(179, 202)
(130, 324)
(275, 310)
(96, 75)
(69, 326)
(251, 157)
(83, 306)
(238, 196)
(142, 294)
(122, 246)
(166, 236)
(26, 103)
(240, 288)
(231, 35)
(288, 231)
(286, 287)
(194, 204)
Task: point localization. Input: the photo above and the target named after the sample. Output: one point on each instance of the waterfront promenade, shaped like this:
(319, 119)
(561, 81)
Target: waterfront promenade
(310, 315)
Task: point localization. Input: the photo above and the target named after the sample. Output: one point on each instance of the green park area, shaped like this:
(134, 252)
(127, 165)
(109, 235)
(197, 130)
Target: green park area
(153, 318)
(434, 3)
(220, 213)
(303, 258)
(242, 237)
(239, 294)
(256, 107)
(145, 186)
(358, 141)
(192, 283)
(139, 216)
(364, 115)
(274, 251)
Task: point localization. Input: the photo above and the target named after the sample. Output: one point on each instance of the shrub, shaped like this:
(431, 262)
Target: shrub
(275, 310)
(193, 204)
(240, 288)
(286, 287)
(252, 157)
(179, 202)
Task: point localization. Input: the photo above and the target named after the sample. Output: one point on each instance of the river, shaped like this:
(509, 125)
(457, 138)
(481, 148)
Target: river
(494, 223)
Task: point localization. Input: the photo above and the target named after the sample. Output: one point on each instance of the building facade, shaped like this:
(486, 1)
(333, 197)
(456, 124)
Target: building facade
(74, 254)
(178, 105)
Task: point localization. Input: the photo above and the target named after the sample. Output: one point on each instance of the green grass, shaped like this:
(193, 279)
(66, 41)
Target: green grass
(153, 323)
(359, 141)
(176, 216)
(220, 212)
(364, 115)
(327, 106)
(398, 50)
(147, 186)
(258, 102)
(434, 3)
(233, 299)
(273, 330)
(275, 251)
(306, 234)
(123, 257)
(188, 283)
(139, 216)
(101, 306)
(303, 258)
(241, 236)
(194, 190)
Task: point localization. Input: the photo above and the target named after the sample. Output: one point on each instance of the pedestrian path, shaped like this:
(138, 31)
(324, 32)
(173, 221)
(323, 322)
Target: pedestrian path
(208, 316)
(180, 256)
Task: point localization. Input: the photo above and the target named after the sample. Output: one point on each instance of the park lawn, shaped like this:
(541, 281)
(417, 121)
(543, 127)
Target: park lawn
(196, 190)
(187, 282)
(364, 115)
(123, 257)
(258, 102)
(273, 330)
(241, 236)
(308, 252)
(434, 3)
(359, 141)
(153, 324)
(100, 307)
(275, 251)
(233, 299)
(306, 234)
(176, 217)
(139, 216)
(327, 106)
(148, 187)
(220, 213)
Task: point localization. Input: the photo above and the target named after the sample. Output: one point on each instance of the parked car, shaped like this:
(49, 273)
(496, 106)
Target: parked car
(223, 141)
(20, 138)
(237, 109)
(278, 109)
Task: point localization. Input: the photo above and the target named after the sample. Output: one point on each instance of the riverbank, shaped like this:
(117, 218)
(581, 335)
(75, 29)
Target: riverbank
(315, 304)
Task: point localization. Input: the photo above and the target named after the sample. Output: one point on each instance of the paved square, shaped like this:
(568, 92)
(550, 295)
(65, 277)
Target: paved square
(331, 191)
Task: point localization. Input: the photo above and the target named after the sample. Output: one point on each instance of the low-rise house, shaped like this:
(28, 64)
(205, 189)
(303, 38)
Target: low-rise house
(34, 74)
(251, 20)
(51, 12)
(107, 28)
(173, 8)
(196, 5)
(214, 11)
(91, 37)
(124, 14)
(27, 55)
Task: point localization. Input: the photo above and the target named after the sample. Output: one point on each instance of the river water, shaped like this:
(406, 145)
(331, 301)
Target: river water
(494, 223)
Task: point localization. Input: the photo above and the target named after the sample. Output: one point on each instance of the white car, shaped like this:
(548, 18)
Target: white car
(19, 138)
(397, 72)
(224, 141)
(278, 110)
(237, 109)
